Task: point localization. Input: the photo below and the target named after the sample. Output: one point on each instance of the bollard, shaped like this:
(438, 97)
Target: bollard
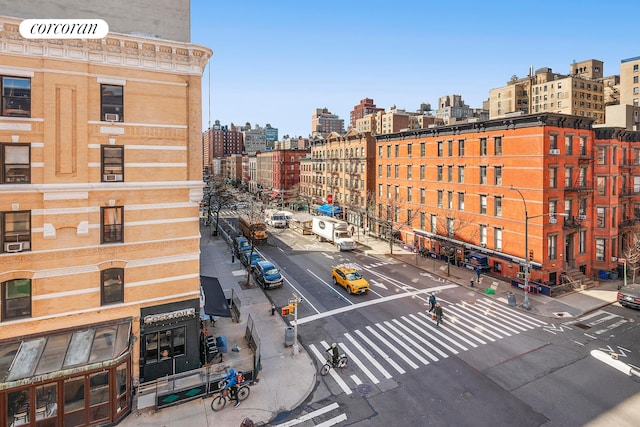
(472, 283)
(233, 258)
(273, 309)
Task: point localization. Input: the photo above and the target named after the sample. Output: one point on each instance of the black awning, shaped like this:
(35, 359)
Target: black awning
(215, 303)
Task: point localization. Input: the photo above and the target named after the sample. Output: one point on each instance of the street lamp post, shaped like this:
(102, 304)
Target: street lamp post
(526, 304)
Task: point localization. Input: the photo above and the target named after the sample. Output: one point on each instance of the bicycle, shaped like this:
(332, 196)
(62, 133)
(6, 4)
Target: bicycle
(218, 403)
(340, 363)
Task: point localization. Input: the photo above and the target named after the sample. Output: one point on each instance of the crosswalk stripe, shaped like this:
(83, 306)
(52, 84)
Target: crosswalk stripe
(427, 327)
(473, 308)
(451, 324)
(384, 355)
(459, 321)
(366, 354)
(355, 379)
(391, 347)
(603, 319)
(333, 421)
(332, 372)
(405, 338)
(590, 315)
(402, 344)
(354, 359)
(493, 311)
(517, 314)
(475, 322)
(422, 340)
(310, 415)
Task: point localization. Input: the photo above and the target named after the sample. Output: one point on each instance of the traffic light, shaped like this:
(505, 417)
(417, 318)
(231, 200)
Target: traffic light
(530, 254)
(288, 310)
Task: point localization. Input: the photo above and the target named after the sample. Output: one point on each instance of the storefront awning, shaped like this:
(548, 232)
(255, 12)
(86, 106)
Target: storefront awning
(329, 210)
(215, 303)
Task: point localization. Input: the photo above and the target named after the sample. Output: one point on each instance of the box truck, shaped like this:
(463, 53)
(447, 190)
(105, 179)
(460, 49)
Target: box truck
(334, 231)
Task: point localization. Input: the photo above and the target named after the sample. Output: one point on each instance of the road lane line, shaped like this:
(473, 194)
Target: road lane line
(370, 358)
(332, 371)
(310, 415)
(331, 287)
(333, 421)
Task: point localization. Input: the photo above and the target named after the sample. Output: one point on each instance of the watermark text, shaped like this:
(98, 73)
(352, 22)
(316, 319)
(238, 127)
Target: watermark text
(64, 29)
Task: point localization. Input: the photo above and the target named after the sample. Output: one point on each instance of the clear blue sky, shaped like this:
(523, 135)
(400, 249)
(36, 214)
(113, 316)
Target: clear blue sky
(276, 61)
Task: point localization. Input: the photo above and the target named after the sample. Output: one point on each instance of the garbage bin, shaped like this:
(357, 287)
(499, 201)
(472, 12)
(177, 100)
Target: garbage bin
(604, 274)
(511, 299)
(613, 275)
(289, 335)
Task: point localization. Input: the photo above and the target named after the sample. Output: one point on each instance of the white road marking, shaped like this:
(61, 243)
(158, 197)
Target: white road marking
(366, 354)
(310, 415)
(332, 371)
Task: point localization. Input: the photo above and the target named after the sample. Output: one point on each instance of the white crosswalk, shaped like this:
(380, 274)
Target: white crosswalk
(318, 413)
(598, 322)
(394, 346)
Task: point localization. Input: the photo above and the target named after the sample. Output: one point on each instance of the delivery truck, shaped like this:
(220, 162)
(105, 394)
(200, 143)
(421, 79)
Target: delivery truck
(334, 231)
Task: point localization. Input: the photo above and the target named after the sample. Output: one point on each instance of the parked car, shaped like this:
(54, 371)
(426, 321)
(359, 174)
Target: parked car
(240, 245)
(255, 257)
(629, 296)
(267, 275)
(350, 279)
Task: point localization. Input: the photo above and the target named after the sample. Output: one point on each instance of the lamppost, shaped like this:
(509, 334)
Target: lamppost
(526, 304)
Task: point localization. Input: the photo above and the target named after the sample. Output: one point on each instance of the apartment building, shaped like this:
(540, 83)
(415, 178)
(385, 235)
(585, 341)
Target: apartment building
(365, 107)
(101, 182)
(221, 141)
(286, 172)
(450, 188)
(325, 122)
(342, 173)
(629, 81)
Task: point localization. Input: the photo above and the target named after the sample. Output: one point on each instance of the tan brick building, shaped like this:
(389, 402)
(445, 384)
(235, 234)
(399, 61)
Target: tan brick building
(101, 147)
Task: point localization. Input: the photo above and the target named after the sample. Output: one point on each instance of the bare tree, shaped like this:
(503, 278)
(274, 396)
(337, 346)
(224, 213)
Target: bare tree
(217, 196)
(298, 196)
(631, 252)
(454, 225)
(393, 215)
(254, 214)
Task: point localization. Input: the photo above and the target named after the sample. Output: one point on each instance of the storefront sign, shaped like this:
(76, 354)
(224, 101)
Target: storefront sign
(154, 318)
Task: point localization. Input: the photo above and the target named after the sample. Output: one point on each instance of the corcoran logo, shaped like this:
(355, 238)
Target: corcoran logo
(64, 29)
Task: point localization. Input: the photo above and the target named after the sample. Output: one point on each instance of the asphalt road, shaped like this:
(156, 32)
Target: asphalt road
(489, 364)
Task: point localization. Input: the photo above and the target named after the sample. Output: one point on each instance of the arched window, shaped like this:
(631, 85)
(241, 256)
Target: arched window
(112, 286)
(16, 299)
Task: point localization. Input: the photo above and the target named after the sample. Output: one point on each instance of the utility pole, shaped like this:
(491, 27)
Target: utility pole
(294, 301)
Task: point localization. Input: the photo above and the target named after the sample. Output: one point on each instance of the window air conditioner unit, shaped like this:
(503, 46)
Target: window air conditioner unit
(111, 177)
(614, 259)
(14, 247)
(484, 245)
(582, 217)
(554, 151)
(111, 117)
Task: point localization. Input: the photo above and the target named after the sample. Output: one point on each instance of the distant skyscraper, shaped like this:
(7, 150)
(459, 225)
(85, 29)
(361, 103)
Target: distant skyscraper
(324, 122)
(272, 135)
(366, 106)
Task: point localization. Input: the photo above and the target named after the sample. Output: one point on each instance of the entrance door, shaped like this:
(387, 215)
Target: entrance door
(568, 250)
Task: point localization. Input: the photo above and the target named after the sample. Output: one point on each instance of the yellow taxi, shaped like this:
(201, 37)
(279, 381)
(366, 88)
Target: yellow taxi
(350, 279)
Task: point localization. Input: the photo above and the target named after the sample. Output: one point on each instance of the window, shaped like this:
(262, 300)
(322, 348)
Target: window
(483, 235)
(16, 299)
(439, 148)
(600, 250)
(423, 149)
(388, 171)
(568, 172)
(422, 219)
(483, 204)
(409, 197)
(450, 229)
(422, 196)
(450, 148)
(440, 198)
(409, 172)
(396, 192)
(601, 220)
(423, 170)
(380, 171)
(497, 239)
(450, 199)
(582, 241)
(16, 165)
(601, 185)
(568, 145)
(409, 150)
(388, 151)
(111, 103)
(497, 206)
(112, 219)
(388, 191)
(553, 142)
(380, 151)
(379, 190)
(16, 231)
(601, 158)
(16, 97)
(461, 148)
(164, 345)
(483, 174)
(497, 173)
(434, 224)
(552, 244)
(460, 173)
(112, 163)
(112, 286)
(439, 169)
(497, 145)
(483, 146)
(553, 177)
(636, 184)
(460, 201)
(449, 173)
(396, 171)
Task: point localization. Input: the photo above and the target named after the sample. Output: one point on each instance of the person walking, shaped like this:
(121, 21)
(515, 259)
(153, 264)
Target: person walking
(439, 313)
(432, 301)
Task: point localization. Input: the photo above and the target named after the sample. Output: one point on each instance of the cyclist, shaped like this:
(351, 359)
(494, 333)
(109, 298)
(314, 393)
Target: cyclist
(231, 382)
(334, 354)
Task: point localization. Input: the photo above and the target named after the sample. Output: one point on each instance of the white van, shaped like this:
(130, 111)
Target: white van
(275, 218)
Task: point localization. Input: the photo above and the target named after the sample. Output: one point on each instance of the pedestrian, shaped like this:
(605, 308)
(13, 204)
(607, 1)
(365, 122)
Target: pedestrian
(432, 301)
(439, 314)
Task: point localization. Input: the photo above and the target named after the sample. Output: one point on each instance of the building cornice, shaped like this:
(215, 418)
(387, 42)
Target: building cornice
(115, 50)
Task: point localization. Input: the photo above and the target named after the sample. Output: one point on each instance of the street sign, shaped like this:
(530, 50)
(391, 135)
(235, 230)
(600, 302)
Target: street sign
(622, 260)
(552, 220)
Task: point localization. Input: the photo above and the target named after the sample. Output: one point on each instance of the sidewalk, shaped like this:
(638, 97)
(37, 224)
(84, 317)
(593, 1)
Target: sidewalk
(277, 391)
(572, 304)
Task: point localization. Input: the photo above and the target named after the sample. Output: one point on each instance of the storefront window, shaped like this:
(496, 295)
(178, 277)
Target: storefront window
(46, 406)
(18, 408)
(74, 413)
(121, 387)
(99, 400)
(171, 343)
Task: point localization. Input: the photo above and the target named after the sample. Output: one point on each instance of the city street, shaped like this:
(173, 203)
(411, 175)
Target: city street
(489, 364)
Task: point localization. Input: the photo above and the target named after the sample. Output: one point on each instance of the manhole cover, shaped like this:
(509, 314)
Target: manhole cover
(363, 389)
(582, 326)
(562, 314)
